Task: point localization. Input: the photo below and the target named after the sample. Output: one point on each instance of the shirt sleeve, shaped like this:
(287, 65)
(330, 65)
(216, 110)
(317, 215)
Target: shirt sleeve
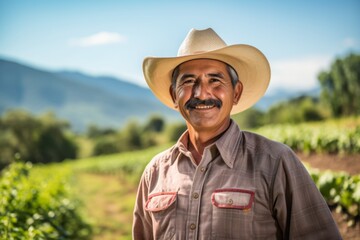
(142, 224)
(298, 206)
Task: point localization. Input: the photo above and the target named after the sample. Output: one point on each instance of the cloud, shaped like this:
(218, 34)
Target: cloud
(350, 42)
(101, 38)
(298, 74)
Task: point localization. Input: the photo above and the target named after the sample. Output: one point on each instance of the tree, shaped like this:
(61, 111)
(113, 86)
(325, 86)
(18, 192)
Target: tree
(251, 118)
(296, 110)
(341, 86)
(131, 136)
(35, 139)
(155, 124)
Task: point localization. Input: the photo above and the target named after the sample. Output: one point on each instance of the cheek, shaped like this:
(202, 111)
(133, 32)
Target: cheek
(225, 95)
(183, 94)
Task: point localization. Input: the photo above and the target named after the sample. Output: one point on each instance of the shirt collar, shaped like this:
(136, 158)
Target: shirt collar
(227, 145)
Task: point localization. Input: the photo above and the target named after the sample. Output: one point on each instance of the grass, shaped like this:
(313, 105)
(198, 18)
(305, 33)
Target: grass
(106, 186)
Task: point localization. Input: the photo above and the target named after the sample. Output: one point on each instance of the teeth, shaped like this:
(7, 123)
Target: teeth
(204, 107)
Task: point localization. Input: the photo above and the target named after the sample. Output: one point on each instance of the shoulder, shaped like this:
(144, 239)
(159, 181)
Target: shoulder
(263, 145)
(270, 155)
(163, 158)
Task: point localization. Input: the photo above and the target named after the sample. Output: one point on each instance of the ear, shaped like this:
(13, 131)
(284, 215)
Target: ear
(237, 92)
(173, 96)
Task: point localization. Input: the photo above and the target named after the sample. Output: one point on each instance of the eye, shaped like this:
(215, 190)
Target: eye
(188, 81)
(215, 80)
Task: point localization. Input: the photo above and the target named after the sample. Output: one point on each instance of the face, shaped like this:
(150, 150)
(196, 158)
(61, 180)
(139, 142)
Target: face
(204, 94)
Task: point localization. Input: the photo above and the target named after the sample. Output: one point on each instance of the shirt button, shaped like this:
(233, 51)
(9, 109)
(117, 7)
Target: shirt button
(192, 226)
(195, 195)
(202, 169)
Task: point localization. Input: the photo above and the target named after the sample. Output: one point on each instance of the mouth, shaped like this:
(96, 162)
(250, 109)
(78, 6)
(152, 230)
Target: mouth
(203, 107)
(198, 104)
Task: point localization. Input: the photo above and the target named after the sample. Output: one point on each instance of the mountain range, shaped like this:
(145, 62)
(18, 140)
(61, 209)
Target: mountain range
(79, 98)
(83, 99)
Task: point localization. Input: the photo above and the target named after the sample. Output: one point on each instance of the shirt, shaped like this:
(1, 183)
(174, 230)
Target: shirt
(245, 187)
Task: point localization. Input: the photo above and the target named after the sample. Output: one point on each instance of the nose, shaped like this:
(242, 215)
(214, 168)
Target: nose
(201, 91)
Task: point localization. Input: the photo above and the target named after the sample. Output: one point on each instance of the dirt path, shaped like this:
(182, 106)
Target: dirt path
(347, 163)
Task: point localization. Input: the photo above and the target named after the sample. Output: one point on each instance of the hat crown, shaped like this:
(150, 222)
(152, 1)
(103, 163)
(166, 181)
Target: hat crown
(199, 41)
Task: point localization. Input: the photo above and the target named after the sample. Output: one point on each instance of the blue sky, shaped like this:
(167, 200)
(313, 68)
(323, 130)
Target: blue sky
(300, 38)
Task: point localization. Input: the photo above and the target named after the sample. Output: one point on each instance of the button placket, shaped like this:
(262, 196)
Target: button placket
(196, 191)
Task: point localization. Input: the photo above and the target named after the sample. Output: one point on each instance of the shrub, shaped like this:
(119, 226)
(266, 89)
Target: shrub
(38, 205)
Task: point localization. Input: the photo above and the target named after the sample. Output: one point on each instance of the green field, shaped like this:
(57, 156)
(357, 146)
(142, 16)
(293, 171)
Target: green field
(96, 195)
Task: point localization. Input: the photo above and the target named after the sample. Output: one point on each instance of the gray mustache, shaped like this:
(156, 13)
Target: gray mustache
(193, 102)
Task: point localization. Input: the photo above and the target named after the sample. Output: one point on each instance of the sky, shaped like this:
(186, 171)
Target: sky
(112, 37)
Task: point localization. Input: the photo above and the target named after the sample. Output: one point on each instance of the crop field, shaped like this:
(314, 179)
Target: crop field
(93, 198)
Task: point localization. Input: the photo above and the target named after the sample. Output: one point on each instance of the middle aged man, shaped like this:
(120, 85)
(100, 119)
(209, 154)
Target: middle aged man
(218, 182)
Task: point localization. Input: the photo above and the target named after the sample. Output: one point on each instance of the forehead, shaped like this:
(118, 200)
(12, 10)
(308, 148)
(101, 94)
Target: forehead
(202, 65)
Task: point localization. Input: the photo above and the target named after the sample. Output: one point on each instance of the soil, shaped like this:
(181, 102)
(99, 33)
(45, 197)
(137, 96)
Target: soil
(336, 163)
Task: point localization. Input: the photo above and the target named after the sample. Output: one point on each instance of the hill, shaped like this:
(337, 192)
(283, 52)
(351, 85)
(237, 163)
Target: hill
(81, 99)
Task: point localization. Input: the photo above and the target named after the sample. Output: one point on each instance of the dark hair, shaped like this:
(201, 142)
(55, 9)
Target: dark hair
(232, 73)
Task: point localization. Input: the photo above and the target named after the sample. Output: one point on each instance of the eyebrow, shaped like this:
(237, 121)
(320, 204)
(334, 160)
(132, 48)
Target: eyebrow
(189, 75)
(216, 75)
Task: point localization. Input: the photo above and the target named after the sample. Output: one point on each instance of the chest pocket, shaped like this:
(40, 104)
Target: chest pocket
(232, 213)
(162, 207)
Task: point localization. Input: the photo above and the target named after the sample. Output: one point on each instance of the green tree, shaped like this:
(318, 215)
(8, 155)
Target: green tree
(300, 109)
(341, 86)
(130, 137)
(35, 139)
(155, 124)
(251, 118)
(174, 131)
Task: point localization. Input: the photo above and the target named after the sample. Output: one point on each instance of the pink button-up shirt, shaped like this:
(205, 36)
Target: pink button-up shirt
(245, 187)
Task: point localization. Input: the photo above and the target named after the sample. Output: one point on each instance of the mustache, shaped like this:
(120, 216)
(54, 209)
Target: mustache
(193, 102)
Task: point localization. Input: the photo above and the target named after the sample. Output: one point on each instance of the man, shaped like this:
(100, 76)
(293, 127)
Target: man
(218, 182)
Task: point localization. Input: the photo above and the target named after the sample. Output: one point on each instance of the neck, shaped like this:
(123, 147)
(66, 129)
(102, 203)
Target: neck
(199, 139)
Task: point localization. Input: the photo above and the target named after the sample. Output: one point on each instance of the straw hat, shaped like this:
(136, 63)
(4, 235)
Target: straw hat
(251, 65)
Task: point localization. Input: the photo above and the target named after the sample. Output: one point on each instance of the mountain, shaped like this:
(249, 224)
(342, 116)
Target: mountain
(81, 99)
(280, 95)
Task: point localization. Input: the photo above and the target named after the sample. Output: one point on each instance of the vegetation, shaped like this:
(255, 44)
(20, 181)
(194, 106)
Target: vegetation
(340, 89)
(334, 136)
(340, 190)
(341, 86)
(134, 136)
(37, 204)
(41, 139)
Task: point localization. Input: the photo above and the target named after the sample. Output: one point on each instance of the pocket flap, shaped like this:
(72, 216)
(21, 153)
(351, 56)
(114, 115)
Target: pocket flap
(232, 198)
(160, 201)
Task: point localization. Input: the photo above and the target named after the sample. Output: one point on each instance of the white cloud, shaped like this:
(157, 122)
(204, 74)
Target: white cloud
(298, 74)
(101, 38)
(350, 42)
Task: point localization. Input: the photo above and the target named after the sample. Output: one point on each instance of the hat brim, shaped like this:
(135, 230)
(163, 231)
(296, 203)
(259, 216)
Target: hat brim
(251, 65)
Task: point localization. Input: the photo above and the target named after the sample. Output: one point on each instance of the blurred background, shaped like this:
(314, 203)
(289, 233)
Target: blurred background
(78, 123)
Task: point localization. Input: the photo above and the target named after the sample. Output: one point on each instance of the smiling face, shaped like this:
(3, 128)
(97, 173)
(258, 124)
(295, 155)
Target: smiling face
(204, 94)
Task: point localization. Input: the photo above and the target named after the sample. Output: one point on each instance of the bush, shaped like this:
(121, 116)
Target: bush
(174, 131)
(340, 190)
(297, 110)
(36, 139)
(38, 205)
(250, 118)
(106, 145)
